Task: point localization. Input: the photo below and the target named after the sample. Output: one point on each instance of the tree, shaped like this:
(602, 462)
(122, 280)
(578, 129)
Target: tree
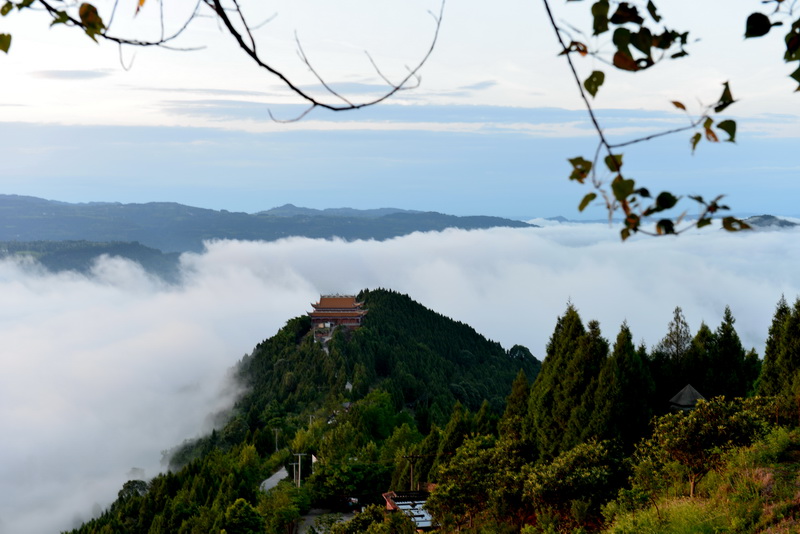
(698, 440)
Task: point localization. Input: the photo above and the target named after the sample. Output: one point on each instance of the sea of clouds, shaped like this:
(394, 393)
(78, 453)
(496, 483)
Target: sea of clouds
(100, 373)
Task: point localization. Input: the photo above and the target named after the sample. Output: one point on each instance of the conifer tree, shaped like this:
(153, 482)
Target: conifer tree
(669, 357)
(622, 398)
(726, 370)
(542, 429)
(511, 424)
(577, 403)
(771, 381)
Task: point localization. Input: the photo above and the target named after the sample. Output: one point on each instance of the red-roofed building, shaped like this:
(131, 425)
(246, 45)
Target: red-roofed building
(336, 311)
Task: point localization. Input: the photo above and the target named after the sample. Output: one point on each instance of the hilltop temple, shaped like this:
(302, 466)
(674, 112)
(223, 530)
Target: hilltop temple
(336, 311)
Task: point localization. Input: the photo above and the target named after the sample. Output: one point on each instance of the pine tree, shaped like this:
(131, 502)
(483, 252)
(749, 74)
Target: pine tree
(668, 357)
(726, 372)
(770, 381)
(511, 424)
(577, 402)
(541, 427)
(622, 398)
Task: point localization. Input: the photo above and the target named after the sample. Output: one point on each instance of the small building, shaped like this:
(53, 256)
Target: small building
(334, 311)
(686, 399)
(412, 504)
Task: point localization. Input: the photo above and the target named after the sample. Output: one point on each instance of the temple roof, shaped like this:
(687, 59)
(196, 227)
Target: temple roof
(337, 302)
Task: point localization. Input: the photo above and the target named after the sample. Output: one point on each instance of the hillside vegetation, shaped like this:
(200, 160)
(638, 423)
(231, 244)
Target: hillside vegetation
(586, 442)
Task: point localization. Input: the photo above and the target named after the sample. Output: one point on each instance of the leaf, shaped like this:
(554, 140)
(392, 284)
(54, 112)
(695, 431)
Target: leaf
(665, 227)
(626, 13)
(25, 3)
(91, 21)
(139, 6)
(643, 192)
(594, 81)
(678, 105)
(600, 14)
(695, 139)
(651, 8)
(703, 222)
(757, 24)
(643, 41)
(622, 188)
(732, 224)
(666, 200)
(725, 100)
(575, 46)
(580, 169)
(586, 200)
(710, 135)
(793, 43)
(7, 7)
(729, 127)
(60, 18)
(614, 162)
(5, 42)
(625, 233)
(625, 61)
(796, 77)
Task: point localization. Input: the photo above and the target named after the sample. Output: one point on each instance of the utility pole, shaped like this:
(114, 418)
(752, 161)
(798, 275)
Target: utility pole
(276, 438)
(299, 466)
(294, 473)
(412, 459)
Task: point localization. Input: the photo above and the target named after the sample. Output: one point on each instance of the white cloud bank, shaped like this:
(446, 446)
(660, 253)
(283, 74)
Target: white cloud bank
(99, 374)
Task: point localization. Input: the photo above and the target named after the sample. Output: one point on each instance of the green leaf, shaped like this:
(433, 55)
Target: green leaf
(5, 42)
(622, 188)
(757, 24)
(643, 41)
(91, 21)
(695, 139)
(625, 233)
(7, 7)
(594, 81)
(666, 200)
(580, 169)
(725, 100)
(24, 4)
(793, 43)
(651, 8)
(732, 224)
(60, 18)
(796, 77)
(600, 14)
(614, 162)
(626, 13)
(703, 222)
(586, 200)
(729, 127)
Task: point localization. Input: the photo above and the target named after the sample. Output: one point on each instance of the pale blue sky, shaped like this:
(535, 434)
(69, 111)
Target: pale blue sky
(488, 131)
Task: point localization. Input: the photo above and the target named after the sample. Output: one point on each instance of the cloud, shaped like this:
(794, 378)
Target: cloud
(101, 373)
(72, 74)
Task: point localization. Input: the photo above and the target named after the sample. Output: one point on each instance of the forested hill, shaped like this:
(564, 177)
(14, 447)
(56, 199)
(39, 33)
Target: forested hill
(172, 227)
(358, 404)
(425, 361)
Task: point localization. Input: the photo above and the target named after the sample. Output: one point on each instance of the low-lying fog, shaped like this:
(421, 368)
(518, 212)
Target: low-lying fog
(100, 374)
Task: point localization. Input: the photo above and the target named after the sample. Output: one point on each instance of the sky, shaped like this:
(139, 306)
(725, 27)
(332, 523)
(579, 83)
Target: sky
(488, 130)
(102, 373)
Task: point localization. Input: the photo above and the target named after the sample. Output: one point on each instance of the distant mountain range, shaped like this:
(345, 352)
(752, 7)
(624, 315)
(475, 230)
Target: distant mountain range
(172, 227)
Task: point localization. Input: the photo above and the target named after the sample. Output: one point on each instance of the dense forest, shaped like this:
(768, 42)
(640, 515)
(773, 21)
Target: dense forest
(586, 441)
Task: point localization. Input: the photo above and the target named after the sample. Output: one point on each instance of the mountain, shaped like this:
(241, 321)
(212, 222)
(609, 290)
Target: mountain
(80, 256)
(769, 221)
(356, 405)
(172, 227)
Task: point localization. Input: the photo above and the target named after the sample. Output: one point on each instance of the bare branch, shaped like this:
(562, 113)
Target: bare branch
(249, 49)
